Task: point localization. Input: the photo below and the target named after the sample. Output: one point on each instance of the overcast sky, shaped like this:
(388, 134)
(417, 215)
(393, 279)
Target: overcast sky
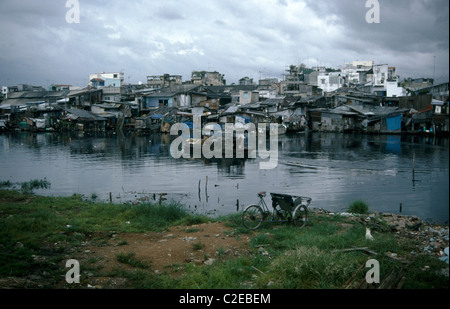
(254, 38)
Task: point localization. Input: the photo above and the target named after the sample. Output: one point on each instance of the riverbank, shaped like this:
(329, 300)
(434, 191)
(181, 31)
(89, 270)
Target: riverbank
(165, 247)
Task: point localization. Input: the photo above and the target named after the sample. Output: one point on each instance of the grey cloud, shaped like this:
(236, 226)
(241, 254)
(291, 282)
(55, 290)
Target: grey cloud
(239, 37)
(169, 13)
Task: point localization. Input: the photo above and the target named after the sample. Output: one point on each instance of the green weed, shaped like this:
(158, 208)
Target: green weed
(130, 259)
(359, 207)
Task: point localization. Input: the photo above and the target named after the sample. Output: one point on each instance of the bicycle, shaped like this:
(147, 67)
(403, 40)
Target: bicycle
(291, 209)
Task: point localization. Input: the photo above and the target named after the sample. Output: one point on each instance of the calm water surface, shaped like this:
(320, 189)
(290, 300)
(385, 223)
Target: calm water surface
(333, 169)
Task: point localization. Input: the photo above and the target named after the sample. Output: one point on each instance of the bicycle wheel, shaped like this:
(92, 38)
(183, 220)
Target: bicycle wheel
(300, 216)
(252, 217)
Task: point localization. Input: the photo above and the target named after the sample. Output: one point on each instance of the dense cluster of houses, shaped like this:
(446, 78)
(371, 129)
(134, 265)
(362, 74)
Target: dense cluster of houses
(359, 97)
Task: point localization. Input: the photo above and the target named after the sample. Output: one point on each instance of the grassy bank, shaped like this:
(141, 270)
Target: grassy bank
(38, 234)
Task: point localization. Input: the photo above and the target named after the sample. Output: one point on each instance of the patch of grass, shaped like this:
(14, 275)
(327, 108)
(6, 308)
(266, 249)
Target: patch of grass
(359, 207)
(6, 184)
(232, 273)
(29, 186)
(53, 226)
(122, 243)
(308, 267)
(193, 230)
(130, 259)
(426, 273)
(196, 246)
(193, 220)
(142, 279)
(12, 195)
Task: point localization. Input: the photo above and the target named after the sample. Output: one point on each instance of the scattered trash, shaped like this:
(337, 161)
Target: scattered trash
(263, 252)
(346, 214)
(434, 239)
(209, 262)
(189, 238)
(445, 257)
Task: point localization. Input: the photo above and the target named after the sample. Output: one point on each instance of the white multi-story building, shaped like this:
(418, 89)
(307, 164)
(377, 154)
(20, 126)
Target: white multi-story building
(385, 80)
(208, 78)
(103, 79)
(356, 71)
(111, 83)
(394, 90)
(5, 91)
(331, 81)
(162, 81)
(380, 75)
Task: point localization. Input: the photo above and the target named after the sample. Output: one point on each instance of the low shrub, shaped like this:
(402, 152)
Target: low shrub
(359, 207)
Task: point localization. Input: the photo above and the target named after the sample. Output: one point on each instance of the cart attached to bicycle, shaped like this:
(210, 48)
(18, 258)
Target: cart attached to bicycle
(285, 208)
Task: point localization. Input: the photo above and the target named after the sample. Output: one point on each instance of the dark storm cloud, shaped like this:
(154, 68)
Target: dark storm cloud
(405, 24)
(237, 38)
(409, 35)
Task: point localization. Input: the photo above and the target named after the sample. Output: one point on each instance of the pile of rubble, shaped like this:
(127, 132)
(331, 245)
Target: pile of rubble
(399, 223)
(433, 238)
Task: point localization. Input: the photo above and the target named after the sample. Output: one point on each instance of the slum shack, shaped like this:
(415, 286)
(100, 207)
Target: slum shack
(333, 120)
(440, 117)
(39, 117)
(149, 123)
(156, 120)
(111, 111)
(419, 118)
(420, 122)
(80, 120)
(381, 119)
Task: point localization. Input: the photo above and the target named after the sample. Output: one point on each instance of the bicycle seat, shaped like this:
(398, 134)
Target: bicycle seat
(262, 194)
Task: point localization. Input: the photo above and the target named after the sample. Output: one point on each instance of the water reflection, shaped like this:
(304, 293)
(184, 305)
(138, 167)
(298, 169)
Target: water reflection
(333, 169)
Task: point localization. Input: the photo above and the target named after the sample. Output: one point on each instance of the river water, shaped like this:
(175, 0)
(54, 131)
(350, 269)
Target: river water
(333, 169)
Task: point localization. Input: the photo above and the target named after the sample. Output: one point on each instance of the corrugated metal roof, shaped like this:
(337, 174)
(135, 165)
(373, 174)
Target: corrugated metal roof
(82, 114)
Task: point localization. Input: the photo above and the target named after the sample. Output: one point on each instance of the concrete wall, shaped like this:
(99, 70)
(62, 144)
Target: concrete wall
(393, 90)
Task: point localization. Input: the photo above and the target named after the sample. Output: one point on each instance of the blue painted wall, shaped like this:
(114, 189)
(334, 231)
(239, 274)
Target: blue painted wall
(154, 101)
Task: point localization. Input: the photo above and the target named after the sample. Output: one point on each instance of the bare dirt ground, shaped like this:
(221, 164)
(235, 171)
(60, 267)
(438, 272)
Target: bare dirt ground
(162, 252)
